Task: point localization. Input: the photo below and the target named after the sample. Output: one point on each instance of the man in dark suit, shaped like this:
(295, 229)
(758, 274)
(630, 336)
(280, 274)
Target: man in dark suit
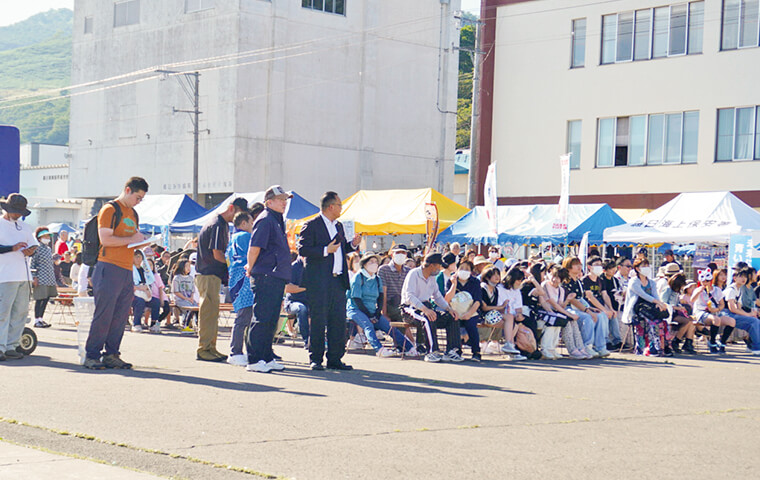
(324, 246)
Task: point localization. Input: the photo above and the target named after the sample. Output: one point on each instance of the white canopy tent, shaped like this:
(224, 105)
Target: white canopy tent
(705, 217)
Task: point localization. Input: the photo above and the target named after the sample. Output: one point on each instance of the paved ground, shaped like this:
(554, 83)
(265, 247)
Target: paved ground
(172, 416)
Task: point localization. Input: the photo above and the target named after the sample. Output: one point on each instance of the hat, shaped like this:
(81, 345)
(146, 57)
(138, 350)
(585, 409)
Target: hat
(480, 260)
(276, 191)
(510, 263)
(16, 203)
(668, 252)
(689, 284)
(434, 259)
(42, 233)
(367, 257)
(193, 257)
(57, 257)
(241, 203)
(671, 269)
(400, 248)
(643, 251)
(449, 259)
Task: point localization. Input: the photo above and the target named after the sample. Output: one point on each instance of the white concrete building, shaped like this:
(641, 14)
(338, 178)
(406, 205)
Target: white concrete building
(315, 95)
(652, 97)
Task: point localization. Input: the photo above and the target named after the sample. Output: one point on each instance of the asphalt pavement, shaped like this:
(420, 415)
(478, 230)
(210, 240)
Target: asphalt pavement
(173, 416)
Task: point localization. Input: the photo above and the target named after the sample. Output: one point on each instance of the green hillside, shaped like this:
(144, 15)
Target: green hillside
(35, 55)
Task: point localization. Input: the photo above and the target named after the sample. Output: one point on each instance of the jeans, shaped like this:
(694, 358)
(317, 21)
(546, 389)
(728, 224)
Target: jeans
(242, 321)
(267, 300)
(383, 324)
(138, 308)
(750, 324)
(114, 289)
(473, 336)
(14, 308)
(615, 336)
(593, 333)
(301, 312)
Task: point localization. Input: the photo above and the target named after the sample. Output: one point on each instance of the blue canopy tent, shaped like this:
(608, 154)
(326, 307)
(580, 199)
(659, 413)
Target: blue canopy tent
(298, 208)
(157, 211)
(59, 227)
(532, 224)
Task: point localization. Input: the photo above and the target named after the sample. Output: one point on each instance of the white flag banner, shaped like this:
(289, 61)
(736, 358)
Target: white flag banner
(560, 224)
(583, 251)
(491, 199)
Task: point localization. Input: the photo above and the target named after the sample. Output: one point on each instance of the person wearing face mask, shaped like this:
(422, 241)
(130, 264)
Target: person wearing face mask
(20, 243)
(393, 275)
(493, 298)
(708, 307)
(449, 269)
(43, 276)
(419, 291)
(465, 281)
(362, 308)
(495, 258)
(599, 301)
(558, 319)
(746, 320)
(646, 313)
(594, 332)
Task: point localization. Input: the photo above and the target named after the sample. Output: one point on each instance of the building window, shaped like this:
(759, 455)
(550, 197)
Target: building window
(741, 19)
(198, 5)
(126, 13)
(653, 33)
(87, 25)
(738, 134)
(574, 143)
(579, 44)
(330, 6)
(648, 140)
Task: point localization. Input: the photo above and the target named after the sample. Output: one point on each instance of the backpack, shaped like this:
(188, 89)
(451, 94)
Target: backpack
(91, 239)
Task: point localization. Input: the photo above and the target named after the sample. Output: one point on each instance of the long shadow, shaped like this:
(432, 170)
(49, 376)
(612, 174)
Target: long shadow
(41, 361)
(399, 383)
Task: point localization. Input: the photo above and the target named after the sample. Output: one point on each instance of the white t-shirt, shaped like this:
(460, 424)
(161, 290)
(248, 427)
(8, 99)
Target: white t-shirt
(514, 299)
(700, 304)
(733, 292)
(82, 281)
(14, 266)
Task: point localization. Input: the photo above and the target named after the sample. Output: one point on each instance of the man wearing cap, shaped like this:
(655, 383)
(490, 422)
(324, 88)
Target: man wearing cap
(668, 257)
(270, 270)
(323, 245)
(18, 237)
(419, 291)
(211, 268)
(392, 275)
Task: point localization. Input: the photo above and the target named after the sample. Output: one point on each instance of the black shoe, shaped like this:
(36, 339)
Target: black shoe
(721, 349)
(339, 366)
(476, 357)
(276, 357)
(714, 348)
(317, 366)
(688, 347)
(668, 352)
(2, 357)
(675, 345)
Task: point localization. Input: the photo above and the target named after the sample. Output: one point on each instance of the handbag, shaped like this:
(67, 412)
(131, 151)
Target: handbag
(524, 340)
(649, 310)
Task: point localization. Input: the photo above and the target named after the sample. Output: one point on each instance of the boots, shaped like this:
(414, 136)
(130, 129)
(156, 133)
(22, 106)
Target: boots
(688, 347)
(675, 345)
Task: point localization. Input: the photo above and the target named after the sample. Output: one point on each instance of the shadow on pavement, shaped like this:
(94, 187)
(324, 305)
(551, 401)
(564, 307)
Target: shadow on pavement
(41, 361)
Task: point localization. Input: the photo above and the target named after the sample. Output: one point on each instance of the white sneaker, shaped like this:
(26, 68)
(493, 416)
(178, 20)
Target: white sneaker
(519, 358)
(492, 348)
(380, 335)
(549, 355)
(590, 351)
(386, 352)
(137, 328)
(355, 344)
(155, 328)
(578, 355)
(238, 360)
(604, 353)
(273, 365)
(452, 356)
(261, 366)
(509, 348)
(755, 352)
(433, 357)
(412, 352)
(361, 337)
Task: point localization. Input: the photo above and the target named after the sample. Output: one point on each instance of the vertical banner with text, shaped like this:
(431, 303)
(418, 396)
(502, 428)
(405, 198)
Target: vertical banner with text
(491, 199)
(560, 224)
(739, 250)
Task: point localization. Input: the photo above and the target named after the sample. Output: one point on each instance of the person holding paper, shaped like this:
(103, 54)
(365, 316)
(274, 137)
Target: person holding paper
(324, 246)
(112, 282)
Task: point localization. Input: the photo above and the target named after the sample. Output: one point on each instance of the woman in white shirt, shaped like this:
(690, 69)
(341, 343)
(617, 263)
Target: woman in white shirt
(708, 305)
(566, 322)
(513, 312)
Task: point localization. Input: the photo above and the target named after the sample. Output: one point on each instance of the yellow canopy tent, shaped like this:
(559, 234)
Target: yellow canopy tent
(396, 212)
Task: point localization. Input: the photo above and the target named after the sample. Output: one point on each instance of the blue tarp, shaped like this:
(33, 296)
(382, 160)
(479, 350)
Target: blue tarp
(58, 227)
(532, 224)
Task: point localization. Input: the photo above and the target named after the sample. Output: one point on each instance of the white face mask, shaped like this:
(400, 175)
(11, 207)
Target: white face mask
(493, 284)
(597, 270)
(399, 258)
(464, 275)
(371, 268)
(646, 271)
(45, 241)
(493, 256)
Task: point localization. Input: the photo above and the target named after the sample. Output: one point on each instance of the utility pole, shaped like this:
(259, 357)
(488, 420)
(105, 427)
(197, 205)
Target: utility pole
(476, 54)
(192, 89)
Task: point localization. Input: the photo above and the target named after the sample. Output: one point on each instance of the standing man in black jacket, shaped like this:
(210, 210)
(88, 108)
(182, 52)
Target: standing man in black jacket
(324, 246)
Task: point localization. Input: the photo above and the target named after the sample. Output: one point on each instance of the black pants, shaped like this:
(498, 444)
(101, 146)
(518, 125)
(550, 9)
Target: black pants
(267, 300)
(429, 330)
(39, 307)
(327, 305)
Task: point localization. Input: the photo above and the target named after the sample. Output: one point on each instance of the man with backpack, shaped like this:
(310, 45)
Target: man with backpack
(113, 288)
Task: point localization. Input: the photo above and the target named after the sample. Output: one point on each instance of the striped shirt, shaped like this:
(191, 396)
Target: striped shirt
(393, 281)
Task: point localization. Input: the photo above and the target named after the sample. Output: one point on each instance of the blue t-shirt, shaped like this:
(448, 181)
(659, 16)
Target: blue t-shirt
(237, 257)
(366, 289)
(269, 235)
(471, 286)
(297, 268)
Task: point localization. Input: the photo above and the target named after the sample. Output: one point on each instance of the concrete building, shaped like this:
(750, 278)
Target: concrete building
(310, 94)
(44, 181)
(652, 97)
